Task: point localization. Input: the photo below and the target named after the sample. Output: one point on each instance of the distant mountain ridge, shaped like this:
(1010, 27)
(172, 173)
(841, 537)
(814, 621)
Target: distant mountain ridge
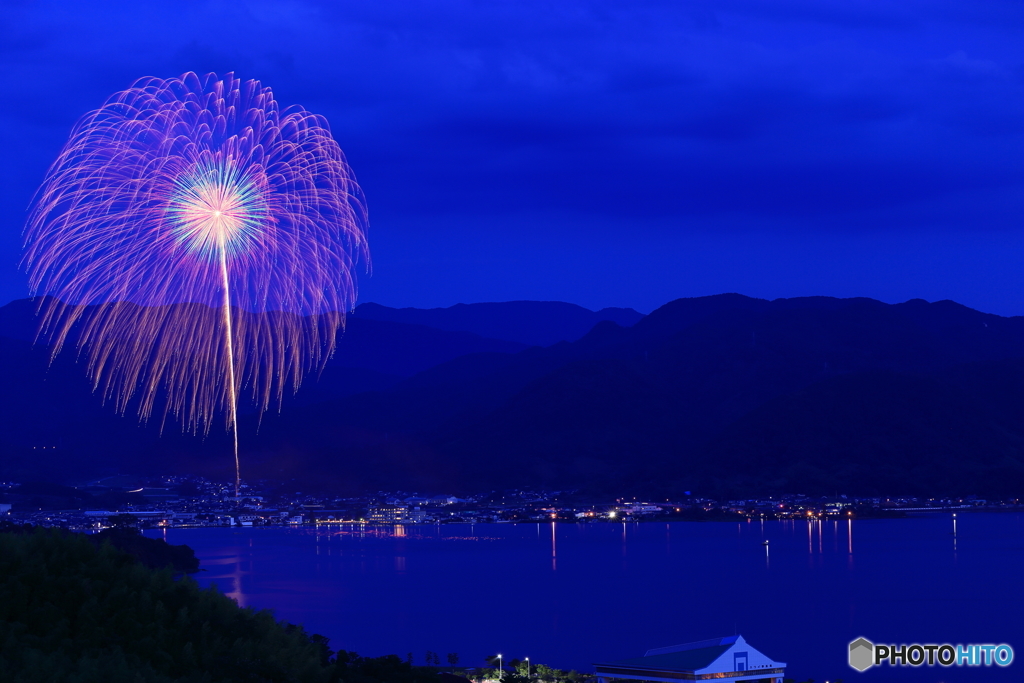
(397, 348)
(726, 394)
(534, 323)
(642, 407)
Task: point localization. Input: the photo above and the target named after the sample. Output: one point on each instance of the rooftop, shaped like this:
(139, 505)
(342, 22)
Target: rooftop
(686, 657)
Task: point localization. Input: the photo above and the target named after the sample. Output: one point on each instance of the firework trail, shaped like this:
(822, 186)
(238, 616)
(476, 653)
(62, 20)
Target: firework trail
(175, 207)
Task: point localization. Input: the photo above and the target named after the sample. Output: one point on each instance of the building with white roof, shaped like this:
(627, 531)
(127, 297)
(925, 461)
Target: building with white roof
(729, 658)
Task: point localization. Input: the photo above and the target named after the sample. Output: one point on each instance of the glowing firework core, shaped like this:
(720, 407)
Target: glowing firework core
(216, 209)
(215, 237)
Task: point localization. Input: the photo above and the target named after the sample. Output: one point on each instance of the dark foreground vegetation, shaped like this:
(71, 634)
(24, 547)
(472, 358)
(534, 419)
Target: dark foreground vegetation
(75, 611)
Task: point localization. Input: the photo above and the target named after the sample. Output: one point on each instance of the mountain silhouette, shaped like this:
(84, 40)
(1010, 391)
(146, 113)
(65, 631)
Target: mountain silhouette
(726, 395)
(533, 323)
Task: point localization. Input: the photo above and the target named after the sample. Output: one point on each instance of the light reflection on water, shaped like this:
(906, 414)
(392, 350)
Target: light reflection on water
(229, 572)
(554, 554)
(591, 592)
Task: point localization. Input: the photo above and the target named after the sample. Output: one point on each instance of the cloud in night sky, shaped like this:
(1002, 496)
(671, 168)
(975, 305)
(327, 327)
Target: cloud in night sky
(604, 153)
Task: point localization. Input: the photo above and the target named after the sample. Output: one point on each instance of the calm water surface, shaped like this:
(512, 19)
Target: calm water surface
(570, 595)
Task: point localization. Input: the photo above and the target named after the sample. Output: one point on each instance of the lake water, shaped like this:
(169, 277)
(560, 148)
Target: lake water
(570, 595)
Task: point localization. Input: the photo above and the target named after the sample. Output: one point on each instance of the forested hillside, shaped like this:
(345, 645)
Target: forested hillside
(73, 612)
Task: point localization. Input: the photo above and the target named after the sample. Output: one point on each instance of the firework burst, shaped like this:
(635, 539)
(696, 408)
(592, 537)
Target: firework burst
(173, 208)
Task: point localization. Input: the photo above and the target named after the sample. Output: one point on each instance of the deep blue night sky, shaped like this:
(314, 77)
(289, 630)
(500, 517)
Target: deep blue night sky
(604, 153)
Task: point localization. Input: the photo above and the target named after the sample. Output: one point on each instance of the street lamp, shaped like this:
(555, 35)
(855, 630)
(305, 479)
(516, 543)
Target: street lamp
(527, 666)
(499, 667)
